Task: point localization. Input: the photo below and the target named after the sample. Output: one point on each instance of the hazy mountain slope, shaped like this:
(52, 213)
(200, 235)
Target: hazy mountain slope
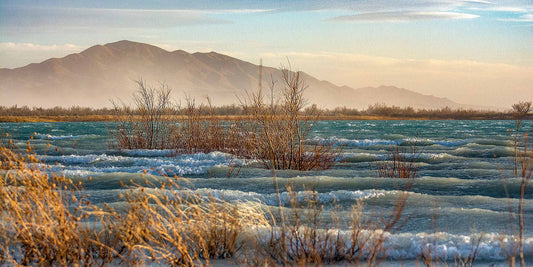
(104, 72)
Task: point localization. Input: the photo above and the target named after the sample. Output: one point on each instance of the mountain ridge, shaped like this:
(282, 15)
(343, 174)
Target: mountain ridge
(103, 72)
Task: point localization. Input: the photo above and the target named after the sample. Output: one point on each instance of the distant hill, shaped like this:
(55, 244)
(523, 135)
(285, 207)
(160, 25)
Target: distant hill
(104, 72)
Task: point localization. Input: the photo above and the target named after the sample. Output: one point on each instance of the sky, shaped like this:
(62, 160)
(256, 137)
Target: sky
(475, 52)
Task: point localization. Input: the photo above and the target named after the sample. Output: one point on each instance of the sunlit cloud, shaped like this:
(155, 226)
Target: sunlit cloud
(402, 16)
(479, 82)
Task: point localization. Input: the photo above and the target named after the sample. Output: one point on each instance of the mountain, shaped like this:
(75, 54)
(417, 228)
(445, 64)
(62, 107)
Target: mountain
(105, 72)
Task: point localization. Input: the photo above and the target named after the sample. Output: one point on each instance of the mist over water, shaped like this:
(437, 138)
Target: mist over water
(462, 165)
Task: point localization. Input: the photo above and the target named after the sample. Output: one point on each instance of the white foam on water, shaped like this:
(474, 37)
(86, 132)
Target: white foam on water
(60, 137)
(446, 246)
(372, 142)
(151, 161)
(353, 142)
(439, 246)
(285, 197)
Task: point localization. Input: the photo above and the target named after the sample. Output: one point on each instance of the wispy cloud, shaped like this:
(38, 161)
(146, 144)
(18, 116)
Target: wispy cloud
(30, 47)
(402, 16)
(523, 18)
(204, 12)
(477, 2)
(41, 17)
(13, 54)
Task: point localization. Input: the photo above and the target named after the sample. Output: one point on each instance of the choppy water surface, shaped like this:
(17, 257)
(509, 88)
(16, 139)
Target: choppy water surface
(462, 168)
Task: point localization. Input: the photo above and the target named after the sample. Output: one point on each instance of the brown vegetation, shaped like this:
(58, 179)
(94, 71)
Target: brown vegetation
(433, 114)
(373, 112)
(47, 220)
(152, 128)
(274, 134)
(523, 170)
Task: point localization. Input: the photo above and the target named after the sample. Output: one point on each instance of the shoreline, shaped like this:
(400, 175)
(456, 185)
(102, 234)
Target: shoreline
(105, 118)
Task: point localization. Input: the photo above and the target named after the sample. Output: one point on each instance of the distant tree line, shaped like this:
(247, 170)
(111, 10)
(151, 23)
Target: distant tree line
(380, 110)
(16, 110)
(410, 112)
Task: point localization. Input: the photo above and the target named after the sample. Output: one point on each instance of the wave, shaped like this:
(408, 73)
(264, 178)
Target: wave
(447, 247)
(396, 139)
(143, 161)
(61, 137)
(286, 197)
(496, 152)
(359, 157)
(393, 141)
(351, 142)
(441, 246)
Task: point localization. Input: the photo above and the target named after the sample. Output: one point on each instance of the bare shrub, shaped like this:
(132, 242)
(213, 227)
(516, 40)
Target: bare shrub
(523, 170)
(306, 234)
(400, 165)
(199, 129)
(155, 123)
(277, 133)
(274, 134)
(148, 125)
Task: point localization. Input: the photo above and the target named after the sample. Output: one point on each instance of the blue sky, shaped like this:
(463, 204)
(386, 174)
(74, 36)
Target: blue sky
(477, 52)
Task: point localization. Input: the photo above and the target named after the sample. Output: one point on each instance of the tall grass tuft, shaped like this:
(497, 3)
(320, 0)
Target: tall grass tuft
(173, 226)
(41, 216)
(48, 220)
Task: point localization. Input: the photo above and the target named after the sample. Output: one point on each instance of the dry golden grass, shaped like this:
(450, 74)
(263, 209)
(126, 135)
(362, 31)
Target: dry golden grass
(40, 216)
(47, 220)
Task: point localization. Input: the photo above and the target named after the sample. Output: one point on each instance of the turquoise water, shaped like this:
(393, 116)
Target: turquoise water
(462, 165)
